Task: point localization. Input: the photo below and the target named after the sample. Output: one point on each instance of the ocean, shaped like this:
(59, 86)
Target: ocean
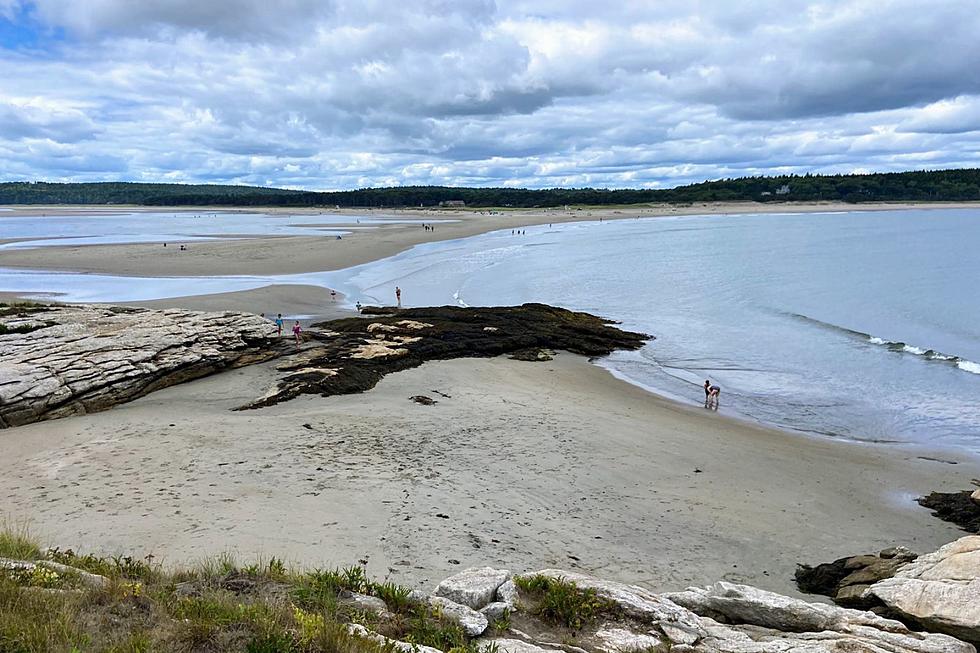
(856, 325)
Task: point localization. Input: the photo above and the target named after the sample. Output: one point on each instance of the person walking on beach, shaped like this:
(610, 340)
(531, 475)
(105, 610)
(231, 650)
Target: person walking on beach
(297, 331)
(707, 391)
(398, 296)
(333, 295)
(279, 324)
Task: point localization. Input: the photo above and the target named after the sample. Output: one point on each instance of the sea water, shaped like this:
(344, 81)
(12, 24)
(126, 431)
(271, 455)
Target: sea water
(862, 325)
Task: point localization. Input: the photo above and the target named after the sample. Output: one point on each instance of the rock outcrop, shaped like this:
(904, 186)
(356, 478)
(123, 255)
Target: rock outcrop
(57, 361)
(846, 580)
(475, 587)
(353, 354)
(939, 591)
(960, 508)
(721, 618)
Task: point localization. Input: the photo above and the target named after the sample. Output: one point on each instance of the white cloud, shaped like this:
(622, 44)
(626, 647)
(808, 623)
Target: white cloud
(307, 93)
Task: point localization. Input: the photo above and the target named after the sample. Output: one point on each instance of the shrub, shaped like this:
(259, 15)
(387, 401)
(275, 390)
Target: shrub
(563, 603)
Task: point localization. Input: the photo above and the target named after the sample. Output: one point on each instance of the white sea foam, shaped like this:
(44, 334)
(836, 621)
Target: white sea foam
(969, 366)
(913, 350)
(875, 340)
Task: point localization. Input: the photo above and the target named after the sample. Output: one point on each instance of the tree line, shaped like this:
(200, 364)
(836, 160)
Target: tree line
(930, 186)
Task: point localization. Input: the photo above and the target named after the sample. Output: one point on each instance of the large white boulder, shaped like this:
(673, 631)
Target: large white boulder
(940, 590)
(474, 587)
(473, 623)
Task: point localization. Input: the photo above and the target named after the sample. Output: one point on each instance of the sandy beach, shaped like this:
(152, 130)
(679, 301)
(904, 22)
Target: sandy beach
(523, 465)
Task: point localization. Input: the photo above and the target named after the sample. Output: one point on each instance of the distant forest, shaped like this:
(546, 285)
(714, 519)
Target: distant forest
(932, 186)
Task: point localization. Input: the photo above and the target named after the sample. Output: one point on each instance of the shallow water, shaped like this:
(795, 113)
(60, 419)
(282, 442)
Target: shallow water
(179, 227)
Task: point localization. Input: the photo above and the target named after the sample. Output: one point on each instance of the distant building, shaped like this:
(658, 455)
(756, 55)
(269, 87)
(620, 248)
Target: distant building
(765, 193)
(783, 190)
(452, 203)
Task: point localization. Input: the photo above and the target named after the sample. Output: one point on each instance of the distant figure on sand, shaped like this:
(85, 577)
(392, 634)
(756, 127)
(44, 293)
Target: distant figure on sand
(333, 295)
(398, 296)
(279, 323)
(297, 330)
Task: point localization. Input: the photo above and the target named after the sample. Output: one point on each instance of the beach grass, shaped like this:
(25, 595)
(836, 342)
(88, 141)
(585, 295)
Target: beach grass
(216, 605)
(563, 603)
(17, 541)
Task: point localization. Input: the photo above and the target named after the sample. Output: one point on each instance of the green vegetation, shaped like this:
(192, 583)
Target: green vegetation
(926, 186)
(217, 606)
(17, 542)
(563, 603)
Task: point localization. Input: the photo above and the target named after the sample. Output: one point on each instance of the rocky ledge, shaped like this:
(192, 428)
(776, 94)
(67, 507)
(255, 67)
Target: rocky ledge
(554, 610)
(562, 611)
(67, 360)
(351, 355)
(939, 591)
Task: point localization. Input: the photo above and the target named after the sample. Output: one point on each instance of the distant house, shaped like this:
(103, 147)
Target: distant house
(783, 190)
(452, 203)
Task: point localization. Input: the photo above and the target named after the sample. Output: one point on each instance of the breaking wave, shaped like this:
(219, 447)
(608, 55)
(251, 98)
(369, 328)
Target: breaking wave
(897, 345)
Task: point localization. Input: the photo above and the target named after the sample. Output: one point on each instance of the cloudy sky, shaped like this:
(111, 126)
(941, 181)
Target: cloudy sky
(331, 94)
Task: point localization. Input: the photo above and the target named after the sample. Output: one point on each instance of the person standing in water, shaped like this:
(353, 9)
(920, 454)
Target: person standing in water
(707, 391)
(398, 296)
(714, 394)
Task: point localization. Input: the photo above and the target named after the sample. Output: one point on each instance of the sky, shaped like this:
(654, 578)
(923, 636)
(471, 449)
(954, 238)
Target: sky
(338, 94)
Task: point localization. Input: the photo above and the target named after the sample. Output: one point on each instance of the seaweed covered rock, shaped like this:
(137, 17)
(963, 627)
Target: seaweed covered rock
(960, 508)
(67, 360)
(352, 354)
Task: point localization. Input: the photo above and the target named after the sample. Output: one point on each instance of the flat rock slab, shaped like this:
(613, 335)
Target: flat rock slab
(621, 640)
(475, 587)
(80, 359)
